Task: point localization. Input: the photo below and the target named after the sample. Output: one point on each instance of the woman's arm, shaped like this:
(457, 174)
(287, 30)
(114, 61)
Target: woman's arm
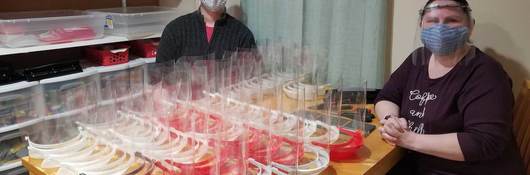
(444, 145)
(384, 108)
(389, 98)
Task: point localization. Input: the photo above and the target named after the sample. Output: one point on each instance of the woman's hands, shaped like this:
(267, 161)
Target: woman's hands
(395, 131)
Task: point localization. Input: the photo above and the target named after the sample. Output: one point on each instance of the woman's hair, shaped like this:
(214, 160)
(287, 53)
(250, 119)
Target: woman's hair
(463, 3)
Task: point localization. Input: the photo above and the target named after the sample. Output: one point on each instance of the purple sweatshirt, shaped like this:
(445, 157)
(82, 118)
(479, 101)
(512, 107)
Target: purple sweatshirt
(474, 100)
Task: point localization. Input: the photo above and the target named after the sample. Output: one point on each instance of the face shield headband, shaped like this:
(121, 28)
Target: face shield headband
(467, 10)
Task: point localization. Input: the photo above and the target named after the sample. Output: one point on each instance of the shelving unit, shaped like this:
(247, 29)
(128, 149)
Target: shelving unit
(105, 40)
(12, 166)
(12, 132)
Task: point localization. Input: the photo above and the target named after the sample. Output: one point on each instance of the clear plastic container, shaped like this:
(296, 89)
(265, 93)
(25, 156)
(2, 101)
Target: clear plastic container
(67, 100)
(12, 148)
(69, 94)
(136, 22)
(22, 29)
(18, 105)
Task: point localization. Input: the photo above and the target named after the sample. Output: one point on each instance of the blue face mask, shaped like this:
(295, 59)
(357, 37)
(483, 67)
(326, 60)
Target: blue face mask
(443, 40)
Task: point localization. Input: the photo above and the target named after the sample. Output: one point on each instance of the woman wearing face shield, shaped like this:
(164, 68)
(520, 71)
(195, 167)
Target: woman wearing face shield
(209, 30)
(449, 104)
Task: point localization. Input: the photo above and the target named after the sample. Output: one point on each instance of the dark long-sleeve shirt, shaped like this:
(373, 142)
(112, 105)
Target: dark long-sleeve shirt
(186, 36)
(474, 100)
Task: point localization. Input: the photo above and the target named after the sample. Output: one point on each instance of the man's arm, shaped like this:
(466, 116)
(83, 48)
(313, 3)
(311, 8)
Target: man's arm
(168, 48)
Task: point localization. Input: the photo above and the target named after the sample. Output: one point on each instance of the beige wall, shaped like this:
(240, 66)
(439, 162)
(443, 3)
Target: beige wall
(187, 6)
(502, 31)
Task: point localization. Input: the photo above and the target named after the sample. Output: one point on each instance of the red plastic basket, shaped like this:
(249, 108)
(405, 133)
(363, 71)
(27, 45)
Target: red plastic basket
(145, 48)
(108, 54)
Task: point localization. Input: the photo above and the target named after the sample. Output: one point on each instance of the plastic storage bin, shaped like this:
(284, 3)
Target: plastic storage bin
(136, 22)
(67, 100)
(22, 29)
(108, 54)
(18, 105)
(12, 148)
(145, 48)
(66, 95)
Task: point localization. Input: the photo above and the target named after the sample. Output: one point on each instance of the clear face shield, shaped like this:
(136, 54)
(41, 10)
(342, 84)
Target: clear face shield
(444, 31)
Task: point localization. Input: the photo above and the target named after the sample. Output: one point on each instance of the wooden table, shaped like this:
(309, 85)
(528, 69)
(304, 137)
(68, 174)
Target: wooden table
(375, 157)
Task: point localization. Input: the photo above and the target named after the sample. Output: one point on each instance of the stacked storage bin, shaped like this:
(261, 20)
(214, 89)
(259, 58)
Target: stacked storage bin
(22, 29)
(18, 109)
(67, 100)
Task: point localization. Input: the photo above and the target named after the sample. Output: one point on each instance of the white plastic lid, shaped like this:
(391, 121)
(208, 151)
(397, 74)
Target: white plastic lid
(17, 86)
(85, 73)
(149, 60)
(105, 69)
(136, 63)
(129, 11)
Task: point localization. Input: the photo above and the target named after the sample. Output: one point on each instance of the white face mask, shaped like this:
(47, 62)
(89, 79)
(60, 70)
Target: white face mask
(214, 5)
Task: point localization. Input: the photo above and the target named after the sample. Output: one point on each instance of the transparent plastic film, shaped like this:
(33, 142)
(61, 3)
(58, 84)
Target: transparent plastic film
(261, 142)
(232, 155)
(344, 134)
(201, 70)
(250, 75)
(166, 142)
(137, 94)
(265, 59)
(114, 79)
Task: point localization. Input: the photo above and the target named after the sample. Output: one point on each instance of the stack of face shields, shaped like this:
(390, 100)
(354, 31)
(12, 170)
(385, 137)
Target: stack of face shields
(87, 154)
(195, 116)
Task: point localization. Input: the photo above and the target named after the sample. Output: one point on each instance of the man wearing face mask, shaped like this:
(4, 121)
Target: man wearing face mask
(449, 104)
(209, 30)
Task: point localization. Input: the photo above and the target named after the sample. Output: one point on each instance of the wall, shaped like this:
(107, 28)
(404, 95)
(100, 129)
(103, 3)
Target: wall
(187, 6)
(502, 31)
